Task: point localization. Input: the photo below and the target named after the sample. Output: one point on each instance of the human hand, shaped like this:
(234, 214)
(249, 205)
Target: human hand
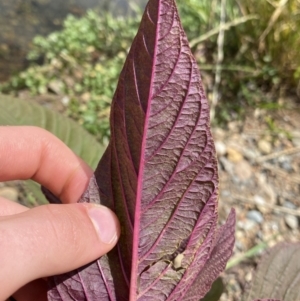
(49, 239)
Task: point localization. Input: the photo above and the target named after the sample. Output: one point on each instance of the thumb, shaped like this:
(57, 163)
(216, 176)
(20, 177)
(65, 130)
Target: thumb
(53, 239)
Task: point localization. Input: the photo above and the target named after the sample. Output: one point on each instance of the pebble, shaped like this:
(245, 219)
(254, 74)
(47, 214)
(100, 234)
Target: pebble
(227, 165)
(257, 112)
(69, 81)
(219, 133)
(233, 155)
(255, 216)
(225, 193)
(239, 246)
(248, 276)
(291, 221)
(65, 100)
(56, 63)
(9, 193)
(296, 141)
(290, 205)
(248, 225)
(266, 194)
(260, 203)
(250, 154)
(233, 126)
(56, 86)
(220, 148)
(296, 138)
(265, 147)
(86, 97)
(285, 163)
(243, 170)
(259, 200)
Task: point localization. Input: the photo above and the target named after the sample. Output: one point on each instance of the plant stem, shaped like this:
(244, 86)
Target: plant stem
(220, 58)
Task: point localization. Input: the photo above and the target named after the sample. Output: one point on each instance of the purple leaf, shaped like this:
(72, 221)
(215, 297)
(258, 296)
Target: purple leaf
(159, 174)
(221, 252)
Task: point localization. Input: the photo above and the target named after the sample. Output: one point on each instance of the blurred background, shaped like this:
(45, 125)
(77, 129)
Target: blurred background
(66, 56)
(248, 52)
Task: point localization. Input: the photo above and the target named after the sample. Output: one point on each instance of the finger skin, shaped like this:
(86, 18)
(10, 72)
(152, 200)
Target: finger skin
(33, 153)
(8, 207)
(47, 240)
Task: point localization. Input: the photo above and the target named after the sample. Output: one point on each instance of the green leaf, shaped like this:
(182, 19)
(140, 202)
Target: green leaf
(215, 292)
(278, 274)
(15, 111)
(34, 194)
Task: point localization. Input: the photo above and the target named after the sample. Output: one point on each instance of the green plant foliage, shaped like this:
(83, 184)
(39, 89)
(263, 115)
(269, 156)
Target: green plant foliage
(215, 292)
(20, 112)
(34, 195)
(82, 61)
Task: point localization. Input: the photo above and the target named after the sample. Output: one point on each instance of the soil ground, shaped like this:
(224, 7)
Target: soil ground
(259, 168)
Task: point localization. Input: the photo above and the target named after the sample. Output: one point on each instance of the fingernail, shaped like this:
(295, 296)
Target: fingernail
(104, 223)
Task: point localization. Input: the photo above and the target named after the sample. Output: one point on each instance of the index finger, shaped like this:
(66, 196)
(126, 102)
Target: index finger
(28, 152)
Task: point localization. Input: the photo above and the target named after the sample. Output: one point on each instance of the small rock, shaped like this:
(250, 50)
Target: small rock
(240, 224)
(65, 100)
(86, 97)
(248, 276)
(243, 170)
(280, 200)
(56, 63)
(9, 193)
(259, 200)
(257, 112)
(233, 125)
(227, 165)
(265, 147)
(233, 155)
(260, 203)
(267, 194)
(225, 193)
(285, 163)
(78, 74)
(219, 133)
(296, 141)
(255, 216)
(69, 81)
(239, 236)
(291, 221)
(290, 205)
(274, 226)
(250, 154)
(248, 225)
(56, 86)
(296, 138)
(220, 148)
